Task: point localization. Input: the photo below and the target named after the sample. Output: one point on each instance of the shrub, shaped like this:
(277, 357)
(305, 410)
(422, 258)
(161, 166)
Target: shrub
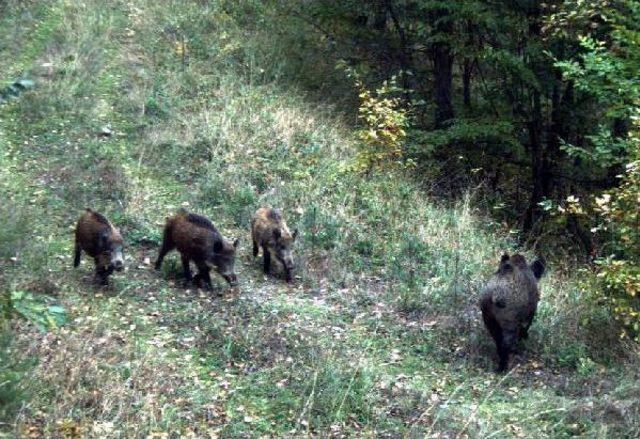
(619, 273)
(384, 122)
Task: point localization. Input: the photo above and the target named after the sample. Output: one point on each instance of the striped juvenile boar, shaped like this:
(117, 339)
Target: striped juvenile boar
(103, 242)
(509, 302)
(199, 241)
(269, 231)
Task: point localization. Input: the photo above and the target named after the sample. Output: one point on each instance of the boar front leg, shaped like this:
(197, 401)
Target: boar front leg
(102, 274)
(185, 268)
(509, 338)
(287, 274)
(266, 262)
(524, 331)
(203, 274)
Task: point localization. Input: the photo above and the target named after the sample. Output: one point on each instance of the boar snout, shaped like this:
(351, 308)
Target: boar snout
(117, 260)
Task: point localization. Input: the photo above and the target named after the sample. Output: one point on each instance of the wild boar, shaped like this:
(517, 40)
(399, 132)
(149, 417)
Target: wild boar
(269, 231)
(103, 242)
(509, 302)
(199, 241)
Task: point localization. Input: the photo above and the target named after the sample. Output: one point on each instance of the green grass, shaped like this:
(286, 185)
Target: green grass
(379, 335)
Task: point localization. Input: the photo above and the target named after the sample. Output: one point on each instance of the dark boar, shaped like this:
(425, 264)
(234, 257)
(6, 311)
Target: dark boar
(199, 241)
(269, 231)
(103, 242)
(509, 302)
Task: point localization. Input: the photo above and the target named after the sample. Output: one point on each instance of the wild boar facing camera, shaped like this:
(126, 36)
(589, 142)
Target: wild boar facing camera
(509, 302)
(96, 236)
(269, 231)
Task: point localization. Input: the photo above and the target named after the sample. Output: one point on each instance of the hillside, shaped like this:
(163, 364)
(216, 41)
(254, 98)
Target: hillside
(379, 334)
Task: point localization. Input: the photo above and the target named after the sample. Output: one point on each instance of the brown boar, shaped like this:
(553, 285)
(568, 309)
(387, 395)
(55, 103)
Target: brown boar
(100, 240)
(269, 231)
(509, 302)
(199, 241)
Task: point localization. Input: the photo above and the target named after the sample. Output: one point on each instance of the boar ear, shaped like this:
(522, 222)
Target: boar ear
(217, 246)
(504, 265)
(236, 243)
(538, 267)
(505, 268)
(276, 233)
(295, 234)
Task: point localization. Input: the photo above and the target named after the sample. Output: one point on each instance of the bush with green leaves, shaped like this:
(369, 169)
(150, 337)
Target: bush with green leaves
(619, 270)
(383, 121)
(39, 310)
(606, 68)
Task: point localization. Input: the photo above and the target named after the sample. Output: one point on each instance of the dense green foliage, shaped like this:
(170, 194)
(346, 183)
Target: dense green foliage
(534, 98)
(350, 116)
(606, 68)
(619, 213)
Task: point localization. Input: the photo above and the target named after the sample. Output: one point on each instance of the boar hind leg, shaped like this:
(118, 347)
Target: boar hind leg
(255, 249)
(266, 261)
(496, 333)
(76, 257)
(167, 246)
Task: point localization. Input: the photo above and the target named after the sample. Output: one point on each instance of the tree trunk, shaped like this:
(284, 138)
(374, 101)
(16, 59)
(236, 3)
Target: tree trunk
(554, 132)
(442, 68)
(404, 53)
(380, 15)
(532, 214)
(540, 177)
(467, 69)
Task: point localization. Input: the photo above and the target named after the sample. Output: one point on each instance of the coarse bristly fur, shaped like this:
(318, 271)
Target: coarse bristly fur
(96, 236)
(197, 240)
(270, 232)
(509, 302)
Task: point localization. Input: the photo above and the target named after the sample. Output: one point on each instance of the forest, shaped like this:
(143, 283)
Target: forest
(408, 218)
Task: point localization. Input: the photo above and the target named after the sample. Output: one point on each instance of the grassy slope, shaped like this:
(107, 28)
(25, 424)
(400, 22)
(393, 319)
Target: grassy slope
(379, 335)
